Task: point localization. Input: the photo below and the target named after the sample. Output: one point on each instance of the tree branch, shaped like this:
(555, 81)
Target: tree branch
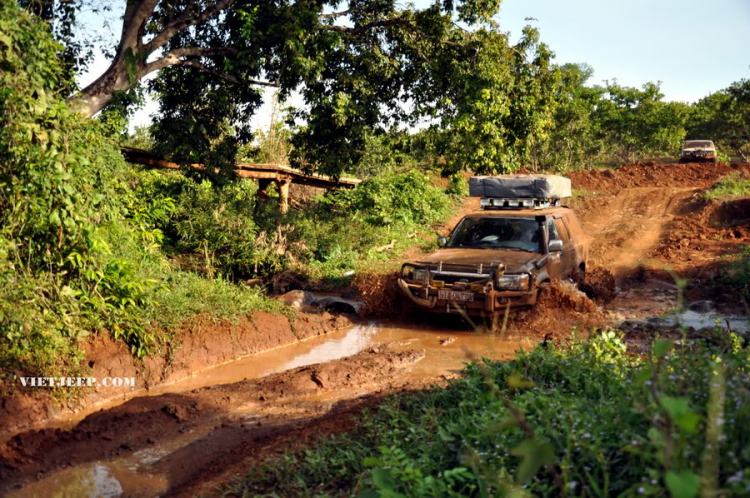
(136, 15)
(365, 27)
(335, 15)
(185, 20)
(176, 58)
(226, 76)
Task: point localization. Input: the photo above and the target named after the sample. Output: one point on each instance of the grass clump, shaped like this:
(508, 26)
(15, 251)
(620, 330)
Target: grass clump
(584, 420)
(729, 187)
(736, 276)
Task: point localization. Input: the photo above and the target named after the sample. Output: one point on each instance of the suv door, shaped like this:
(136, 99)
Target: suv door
(577, 239)
(555, 263)
(568, 255)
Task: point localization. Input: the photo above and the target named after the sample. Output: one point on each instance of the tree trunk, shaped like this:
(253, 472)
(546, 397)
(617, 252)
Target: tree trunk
(98, 94)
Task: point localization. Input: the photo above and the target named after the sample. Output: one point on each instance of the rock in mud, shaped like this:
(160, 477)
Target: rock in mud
(304, 299)
(297, 298)
(702, 306)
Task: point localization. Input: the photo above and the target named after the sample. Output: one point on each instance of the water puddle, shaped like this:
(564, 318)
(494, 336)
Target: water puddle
(697, 320)
(95, 480)
(446, 351)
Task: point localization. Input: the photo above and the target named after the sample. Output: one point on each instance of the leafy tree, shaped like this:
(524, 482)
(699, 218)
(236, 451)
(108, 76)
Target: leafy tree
(638, 122)
(573, 139)
(724, 117)
(362, 67)
(492, 104)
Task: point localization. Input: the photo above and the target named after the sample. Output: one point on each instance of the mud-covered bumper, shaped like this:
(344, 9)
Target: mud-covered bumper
(707, 157)
(428, 298)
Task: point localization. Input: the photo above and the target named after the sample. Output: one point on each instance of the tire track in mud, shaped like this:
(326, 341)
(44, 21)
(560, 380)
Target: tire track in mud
(191, 430)
(629, 230)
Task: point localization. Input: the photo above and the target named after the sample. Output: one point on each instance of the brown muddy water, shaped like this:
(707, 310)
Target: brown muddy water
(139, 474)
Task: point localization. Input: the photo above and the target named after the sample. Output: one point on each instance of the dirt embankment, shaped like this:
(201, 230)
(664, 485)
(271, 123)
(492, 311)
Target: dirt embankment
(200, 345)
(654, 216)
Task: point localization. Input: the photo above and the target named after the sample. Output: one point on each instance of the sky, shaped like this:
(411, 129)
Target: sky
(693, 47)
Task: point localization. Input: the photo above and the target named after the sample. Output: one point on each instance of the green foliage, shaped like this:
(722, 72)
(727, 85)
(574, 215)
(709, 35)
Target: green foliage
(80, 252)
(573, 140)
(638, 122)
(735, 277)
(490, 122)
(724, 117)
(458, 185)
(390, 198)
(734, 185)
(587, 420)
(379, 218)
(215, 223)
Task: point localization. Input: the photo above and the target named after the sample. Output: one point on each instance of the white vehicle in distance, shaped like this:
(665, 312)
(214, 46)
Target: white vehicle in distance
(698, 151)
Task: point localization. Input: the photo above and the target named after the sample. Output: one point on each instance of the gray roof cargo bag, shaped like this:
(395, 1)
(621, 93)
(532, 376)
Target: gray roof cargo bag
(520, 186)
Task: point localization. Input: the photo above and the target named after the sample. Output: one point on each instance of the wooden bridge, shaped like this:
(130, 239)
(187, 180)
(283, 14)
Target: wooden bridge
(283, 176)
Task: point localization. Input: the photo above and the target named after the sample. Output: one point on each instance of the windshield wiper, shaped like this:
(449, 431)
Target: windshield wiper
(515, 249)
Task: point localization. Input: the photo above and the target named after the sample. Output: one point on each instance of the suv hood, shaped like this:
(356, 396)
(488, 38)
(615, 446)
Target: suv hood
(514, 261)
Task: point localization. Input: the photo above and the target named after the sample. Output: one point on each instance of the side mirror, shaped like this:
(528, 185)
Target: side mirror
(555, 246)
(442, 241)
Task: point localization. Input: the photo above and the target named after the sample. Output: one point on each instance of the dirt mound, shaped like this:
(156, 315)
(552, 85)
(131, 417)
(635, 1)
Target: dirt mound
(733, 212)
(650, 174)
(599, 285)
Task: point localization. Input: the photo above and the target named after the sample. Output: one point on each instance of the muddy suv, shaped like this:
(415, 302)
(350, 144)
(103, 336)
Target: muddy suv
(703, 151)
(493, 259)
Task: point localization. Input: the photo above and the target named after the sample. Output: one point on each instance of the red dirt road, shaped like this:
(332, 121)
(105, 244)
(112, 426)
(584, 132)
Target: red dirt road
(639, 213)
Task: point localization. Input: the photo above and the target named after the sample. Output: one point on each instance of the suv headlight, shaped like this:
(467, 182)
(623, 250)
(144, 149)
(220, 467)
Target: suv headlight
(410, 272)
(407, 272)
(514, 282)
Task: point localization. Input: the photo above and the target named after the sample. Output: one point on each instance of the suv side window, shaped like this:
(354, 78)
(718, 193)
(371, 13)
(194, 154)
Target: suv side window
(561, 229)
(552, 230)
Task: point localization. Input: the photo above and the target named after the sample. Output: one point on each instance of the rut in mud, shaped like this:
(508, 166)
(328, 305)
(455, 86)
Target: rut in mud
(624, 239)
(153, 444)
(179, 441)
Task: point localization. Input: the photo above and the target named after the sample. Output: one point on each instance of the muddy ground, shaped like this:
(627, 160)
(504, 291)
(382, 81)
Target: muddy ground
(643, 220)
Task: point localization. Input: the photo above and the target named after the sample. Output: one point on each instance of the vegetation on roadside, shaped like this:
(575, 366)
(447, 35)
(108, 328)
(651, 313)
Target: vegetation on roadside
(582, 420)
(80, 251)
(736, 277)
(734, 185)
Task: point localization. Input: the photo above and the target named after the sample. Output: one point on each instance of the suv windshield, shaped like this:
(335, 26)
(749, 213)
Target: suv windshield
(698, 144)
(492, 233)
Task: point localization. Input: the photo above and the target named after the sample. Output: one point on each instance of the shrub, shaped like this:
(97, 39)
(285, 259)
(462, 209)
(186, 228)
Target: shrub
(379, 218)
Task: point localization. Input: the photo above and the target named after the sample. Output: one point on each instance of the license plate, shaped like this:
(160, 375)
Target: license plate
(455, 296)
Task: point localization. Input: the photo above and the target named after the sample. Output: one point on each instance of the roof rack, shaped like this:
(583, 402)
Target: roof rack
(517, 203)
